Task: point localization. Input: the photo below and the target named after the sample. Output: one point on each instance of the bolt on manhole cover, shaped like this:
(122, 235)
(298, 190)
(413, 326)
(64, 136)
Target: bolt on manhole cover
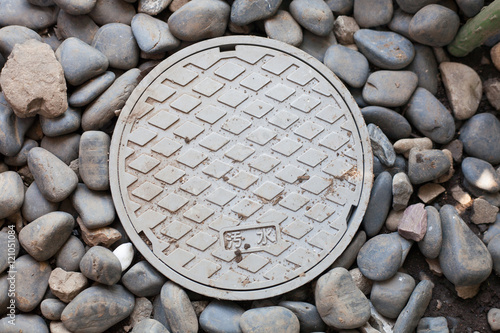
(241, 168)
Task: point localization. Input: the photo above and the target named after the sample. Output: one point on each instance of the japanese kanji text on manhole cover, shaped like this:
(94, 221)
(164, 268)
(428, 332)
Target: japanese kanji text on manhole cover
(241, 168)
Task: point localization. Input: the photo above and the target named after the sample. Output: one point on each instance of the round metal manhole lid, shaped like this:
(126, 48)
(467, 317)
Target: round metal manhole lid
(241, 168)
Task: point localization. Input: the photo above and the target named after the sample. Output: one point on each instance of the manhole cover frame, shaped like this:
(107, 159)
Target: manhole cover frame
(224, 44)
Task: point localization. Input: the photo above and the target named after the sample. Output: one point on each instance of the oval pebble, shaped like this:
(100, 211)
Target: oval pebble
(380, 257)
(470, 7)
(35, 205)
(307, 314)
(425, 66)
(178, 309)
(413, 6)
(415, 308)
(427, 165)
(32, 280)
(101, 265)
(12, 129)
(81, 27)
(480, 136)
(15, 34)
(389, 88)
(494, 249)
(153, 36)
(284, 28)
(116, 41)
(43, 237)
(143, 280)
(349, 65)
(76, 7)
(400, 23)
(93, 160)
(91, 89)
(430, 117)
(150, 326)
(21, 12)
(389, 297)
(24, 323)
(98, 308)
(394, 125)
(95, 208)
(66, 123)
(7, 238)
(341, 7)
(385, 49)
(52, 308)
(124, 253)
(151, 7)
(244, 12)
(212, 18)
(221, 317)
(11, 193)
(434, 25)
(481, 174)
(69, 255)
(379, 204)
(112, 11)
(313, 15)
(372, 13)
(271, 318)
(430, 245)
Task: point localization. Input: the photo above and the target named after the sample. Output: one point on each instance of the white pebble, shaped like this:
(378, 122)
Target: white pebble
(125, 254)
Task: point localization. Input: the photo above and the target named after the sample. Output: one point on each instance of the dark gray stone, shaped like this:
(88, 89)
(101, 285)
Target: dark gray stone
(379, 204)
(102, 110)
(43, 237)
(432, 325)
(90, 90)
(143, 280)
(80, 61)
(434, 25)
(380, 257)
(150, 326)
(96, 208)
(381, 146)
(400, 23)
(4, 294)
(116, 41)
(101, 265)
(11, 193)
(348, 257)
(284, 28)
(414, 310)
(389, 297)
(159, 313)
(317, 45)
(480, 136)
(271, 318)
(426, 113)
(93, 160)
(8, 237)
(427, 165)
(35, 205)
(213, 17)
(152, 35)
(81, 27)
(430, 245)
(464, 259)
(494, 249)
(15, 34)
(64, 147)
(69, 255)
(221, 317)
(76, 7)
(394, 125)
(470, 7)
(341, 7)
(112, 11)
(32, 280)
(481, 174)
(390, 88)
(21, 158)
(339, 301)
(385, 49)
(492, 232)
(349, 65)
(307, 314)
(413, 6)
(12, 129)
(21, 12)
(372, 13)
(24, 323)
(179, 311)
(425, 66)
(52, 308)
(244, 12)
(43, 3)
(97, 308)
(313, 15)
(66, 123)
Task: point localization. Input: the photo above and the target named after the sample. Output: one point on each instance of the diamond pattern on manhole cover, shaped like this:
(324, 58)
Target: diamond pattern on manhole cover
(234, 165)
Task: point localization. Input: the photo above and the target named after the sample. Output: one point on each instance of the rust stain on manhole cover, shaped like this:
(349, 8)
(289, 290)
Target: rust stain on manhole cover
(241, 168)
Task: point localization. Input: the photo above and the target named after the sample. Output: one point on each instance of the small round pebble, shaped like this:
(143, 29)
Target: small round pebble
(494, 319)
(35, 205)
(425, 66)
(307, 314)
(124, 253)
(434, 25)
(379, 204)
(244, 12)
(116, 41)
(266, 319)
(427, 165)
(380, 257)
(143, 280)
(11, 193)
(95, 208)
(284, 28)
(481, 174)
(349, 65)
(480, 136)
(313, 15)
(52, 308)
(66, 123)
(221, 317)
(153, 35)
(400, 23)
(90, 90)
(372, 13)
(401, 191)
(389, 297)
(81, 27)
(344, 28)
(390, 88)
(101, 265)
(394, 125)
(430, 245)
(64, 147)
(69, 255)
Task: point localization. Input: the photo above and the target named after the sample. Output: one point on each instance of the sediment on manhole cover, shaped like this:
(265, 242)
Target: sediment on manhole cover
(244, 165)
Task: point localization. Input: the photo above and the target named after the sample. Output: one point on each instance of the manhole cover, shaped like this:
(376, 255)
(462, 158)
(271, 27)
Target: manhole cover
(241, 168)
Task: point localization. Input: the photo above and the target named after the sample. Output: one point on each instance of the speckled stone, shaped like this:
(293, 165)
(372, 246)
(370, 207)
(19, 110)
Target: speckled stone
(143, 280)
(64, 147)
(415, 308)
(284, 28)
(381, 146)
(394, 125)
(389, 297)
(380, 257)
(480, 136)
(32, 280)
(116, 41)
(66, 123)
(43, 237)
(97, 308)
(90, 90)
(244, 12)
(427, 165)
(101, 265)
(213, 16)
(372, 13)
(21, 12)
(425, 66)
(314, 15)
(153, 35)
(317, 45)
(179, 311)
(272, 318)
(81, 27)
(221, 317)
(430, 245)
(24, 323)
(349, 65)
(390, 88)
(426, 113)
(434, 25)
(112, 11)
(379, 204)
(15, 34)
(69, 255)
(11, 193)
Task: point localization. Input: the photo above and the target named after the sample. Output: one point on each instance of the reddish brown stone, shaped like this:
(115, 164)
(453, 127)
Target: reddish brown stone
(414, 222)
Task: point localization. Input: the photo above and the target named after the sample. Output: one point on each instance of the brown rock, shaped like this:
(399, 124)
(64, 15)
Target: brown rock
(456, 148)
(404, 146)
(104, 236)
(492, 90)
(484, 212)
(66, 285)
(429, 192)
(393, 219)
(142, 310)
(434, 266)
(33, 81)
(344, 29)
(460, 195)
(414, 222)
(467, 291)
